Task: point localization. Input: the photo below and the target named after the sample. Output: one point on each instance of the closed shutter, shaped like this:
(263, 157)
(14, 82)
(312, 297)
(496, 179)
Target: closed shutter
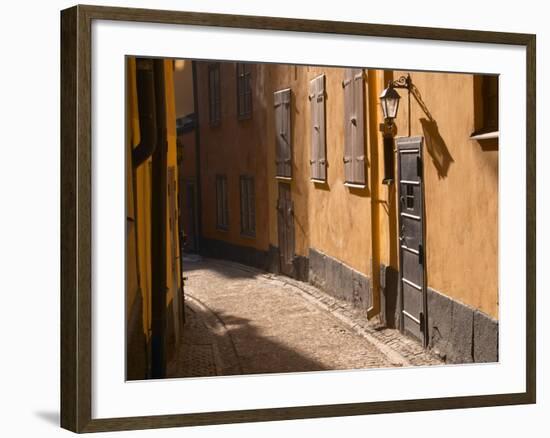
(354, 119)
(314, 130)
(244, 90)
(251, 207)
(359, 136)
(225, 203)
(214, 94)
(222, 207)
(318, 133)
(283, 132)
(322, 148)
(244, 200)
(348, 124)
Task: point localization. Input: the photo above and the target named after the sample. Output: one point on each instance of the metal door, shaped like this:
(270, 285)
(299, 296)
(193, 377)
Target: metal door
(285, 226)
(412, 254)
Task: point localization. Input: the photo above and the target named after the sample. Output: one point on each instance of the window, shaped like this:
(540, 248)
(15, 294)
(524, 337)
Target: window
(490, 102)
(248, 206)
(283, 134)
(244, 91)
(318, 159)
(222, 212)
(214, 94)
(409, 197)
(486, 105)
(354, 126)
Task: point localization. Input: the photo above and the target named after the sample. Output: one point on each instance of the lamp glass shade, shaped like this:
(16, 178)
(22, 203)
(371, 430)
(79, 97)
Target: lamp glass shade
(390, 102)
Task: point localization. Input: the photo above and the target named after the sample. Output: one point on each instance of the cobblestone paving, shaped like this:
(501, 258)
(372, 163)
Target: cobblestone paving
(240, 320)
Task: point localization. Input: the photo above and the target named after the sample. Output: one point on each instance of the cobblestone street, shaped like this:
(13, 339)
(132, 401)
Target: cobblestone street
(240, 320)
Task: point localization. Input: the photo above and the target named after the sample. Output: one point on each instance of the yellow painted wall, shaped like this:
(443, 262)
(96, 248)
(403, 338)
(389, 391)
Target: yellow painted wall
(461, 190)
(138, 207)
(234, 148)
(359, 226)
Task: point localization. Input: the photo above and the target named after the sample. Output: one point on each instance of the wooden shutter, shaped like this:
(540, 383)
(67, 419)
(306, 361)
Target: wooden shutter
(354, 126)
(358, 127)
(314, 130)
(322, 147)
(244, 200)
(218, 202)
(318, 133)
(283, 132)
(225, 203)
(214, 94)
(244, 90)
(347, 84)
(251, 206)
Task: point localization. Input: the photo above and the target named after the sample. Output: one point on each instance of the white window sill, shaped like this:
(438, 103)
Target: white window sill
(355, 186)
(484, 136)
(318, 181)
(284, 178)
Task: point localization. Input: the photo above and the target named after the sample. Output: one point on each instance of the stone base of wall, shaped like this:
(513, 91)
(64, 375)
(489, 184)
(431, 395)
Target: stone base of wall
(339, 280)
(460, 333)
(218, 249)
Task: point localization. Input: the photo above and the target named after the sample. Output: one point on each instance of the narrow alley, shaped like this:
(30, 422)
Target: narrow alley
(240, 320)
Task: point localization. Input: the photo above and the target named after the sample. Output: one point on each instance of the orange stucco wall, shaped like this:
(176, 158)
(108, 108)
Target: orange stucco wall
(461, 190)
(359, 225)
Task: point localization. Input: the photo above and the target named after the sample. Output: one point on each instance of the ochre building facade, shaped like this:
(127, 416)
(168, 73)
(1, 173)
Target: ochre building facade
(295, 171)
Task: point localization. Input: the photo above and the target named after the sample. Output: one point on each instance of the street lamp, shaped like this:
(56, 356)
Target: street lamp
(390, 98)
(390, 103)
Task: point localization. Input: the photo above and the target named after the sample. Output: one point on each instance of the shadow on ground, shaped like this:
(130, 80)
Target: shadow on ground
(253, 352)
(193, 262)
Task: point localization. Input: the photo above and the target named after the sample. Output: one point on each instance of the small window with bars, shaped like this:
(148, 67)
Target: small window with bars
(244, 90)
(214, 94)
(222, 210)
(248, 206)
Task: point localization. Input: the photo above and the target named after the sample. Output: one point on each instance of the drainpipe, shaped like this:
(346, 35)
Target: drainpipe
(158, 228)
(147, 115)
(375, 308)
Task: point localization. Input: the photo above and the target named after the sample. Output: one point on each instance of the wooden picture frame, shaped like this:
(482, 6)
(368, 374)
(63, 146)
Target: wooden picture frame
(76, 218)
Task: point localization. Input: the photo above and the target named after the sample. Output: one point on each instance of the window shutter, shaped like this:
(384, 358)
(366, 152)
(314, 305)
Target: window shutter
(347, 84)
(225, 203)
(354, 150)
(314, 156)
(219, 202)
(278, 123)
(251, 207)
(283, 132)
(358, 127)
(318, 141)
(244, 215)
(321, 147)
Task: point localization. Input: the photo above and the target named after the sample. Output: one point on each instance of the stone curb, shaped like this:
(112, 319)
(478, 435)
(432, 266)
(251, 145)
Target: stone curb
(225, 356)
(399, 349)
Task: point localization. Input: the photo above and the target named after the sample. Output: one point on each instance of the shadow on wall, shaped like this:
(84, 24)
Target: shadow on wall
(435, 144)
(436, 147)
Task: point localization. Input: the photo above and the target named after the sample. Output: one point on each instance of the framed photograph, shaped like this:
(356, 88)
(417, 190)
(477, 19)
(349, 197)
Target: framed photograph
(267, 219)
